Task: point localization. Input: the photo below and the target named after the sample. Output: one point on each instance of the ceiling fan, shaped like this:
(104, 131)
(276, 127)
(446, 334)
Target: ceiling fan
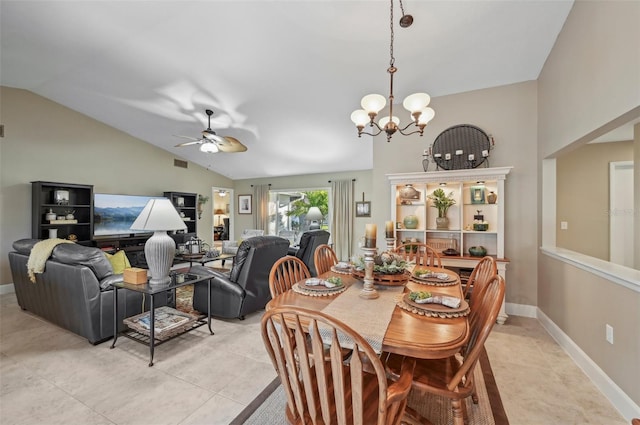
(210, 142)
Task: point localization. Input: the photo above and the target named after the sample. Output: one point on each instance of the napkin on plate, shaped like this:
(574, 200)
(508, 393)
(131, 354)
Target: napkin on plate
(314, 281)
(452, 302)
(343, 265)
(441, 276)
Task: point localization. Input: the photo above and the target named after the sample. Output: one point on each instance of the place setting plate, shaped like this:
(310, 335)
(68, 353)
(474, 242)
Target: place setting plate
(342, 268)
(434, 280)
(434, 309)
(307, 288)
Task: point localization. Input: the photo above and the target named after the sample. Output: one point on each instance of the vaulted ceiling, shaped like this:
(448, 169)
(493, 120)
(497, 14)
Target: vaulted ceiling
(281, 76)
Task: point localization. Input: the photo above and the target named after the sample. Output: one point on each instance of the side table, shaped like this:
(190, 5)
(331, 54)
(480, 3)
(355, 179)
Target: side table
(203, 259)
(177, 280)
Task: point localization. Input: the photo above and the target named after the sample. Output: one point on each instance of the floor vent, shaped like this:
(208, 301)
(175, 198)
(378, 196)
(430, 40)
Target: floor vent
(180, 163)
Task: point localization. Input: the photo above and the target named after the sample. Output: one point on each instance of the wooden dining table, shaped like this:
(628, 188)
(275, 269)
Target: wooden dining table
(408, 333)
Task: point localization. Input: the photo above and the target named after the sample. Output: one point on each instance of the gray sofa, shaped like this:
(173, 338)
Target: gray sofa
(74, 291)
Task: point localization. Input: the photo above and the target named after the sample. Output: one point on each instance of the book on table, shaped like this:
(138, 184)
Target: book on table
(165, 318)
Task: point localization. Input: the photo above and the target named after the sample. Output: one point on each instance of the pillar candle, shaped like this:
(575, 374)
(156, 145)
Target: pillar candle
(388, 226)
(370, 235)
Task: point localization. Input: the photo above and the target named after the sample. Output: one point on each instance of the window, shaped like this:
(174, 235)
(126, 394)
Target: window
(288, 212)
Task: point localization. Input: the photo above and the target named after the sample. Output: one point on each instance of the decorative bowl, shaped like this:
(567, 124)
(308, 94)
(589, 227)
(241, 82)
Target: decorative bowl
(478, 251)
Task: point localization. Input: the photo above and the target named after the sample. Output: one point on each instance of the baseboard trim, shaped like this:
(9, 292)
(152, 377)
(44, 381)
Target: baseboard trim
(620, 400)
(7, 289)
(523, 310)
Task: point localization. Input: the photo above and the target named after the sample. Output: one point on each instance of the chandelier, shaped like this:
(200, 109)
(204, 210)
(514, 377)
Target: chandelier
(416, 104)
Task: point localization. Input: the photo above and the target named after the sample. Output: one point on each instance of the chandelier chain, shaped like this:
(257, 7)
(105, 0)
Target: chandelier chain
(392, 60)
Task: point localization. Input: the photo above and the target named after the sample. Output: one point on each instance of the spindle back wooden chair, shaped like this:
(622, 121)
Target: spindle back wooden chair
(320, 386)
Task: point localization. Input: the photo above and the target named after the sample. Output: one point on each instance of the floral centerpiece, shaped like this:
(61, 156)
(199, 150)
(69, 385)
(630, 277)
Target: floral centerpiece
(383, 263)
(389, 268)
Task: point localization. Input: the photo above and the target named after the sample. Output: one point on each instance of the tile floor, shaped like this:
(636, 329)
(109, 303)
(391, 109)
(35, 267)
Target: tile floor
(51, 376)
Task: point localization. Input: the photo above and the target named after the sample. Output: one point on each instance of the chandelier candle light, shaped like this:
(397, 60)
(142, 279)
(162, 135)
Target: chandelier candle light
(416, 104)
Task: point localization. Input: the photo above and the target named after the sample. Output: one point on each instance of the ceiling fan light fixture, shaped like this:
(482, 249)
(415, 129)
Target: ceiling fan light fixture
(209, 147)
(211, 135)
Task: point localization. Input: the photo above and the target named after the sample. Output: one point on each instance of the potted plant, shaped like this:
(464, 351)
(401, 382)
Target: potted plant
(201, 201)
(442, 202)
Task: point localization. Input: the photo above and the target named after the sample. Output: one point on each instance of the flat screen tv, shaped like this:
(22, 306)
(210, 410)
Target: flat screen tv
(113, 215)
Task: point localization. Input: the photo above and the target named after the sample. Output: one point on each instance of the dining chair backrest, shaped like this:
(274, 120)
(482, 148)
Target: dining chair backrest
(420, 253)
(285, 272)
(482, 272)
(489, 300)
(452, 377)
(320, 386)
(324, 258)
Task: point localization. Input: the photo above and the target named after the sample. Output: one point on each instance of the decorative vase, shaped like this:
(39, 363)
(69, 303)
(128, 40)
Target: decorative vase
(442, 223)
(411, 222)
(492, 197)
(478, 251)
(409, 192)
(50, 215)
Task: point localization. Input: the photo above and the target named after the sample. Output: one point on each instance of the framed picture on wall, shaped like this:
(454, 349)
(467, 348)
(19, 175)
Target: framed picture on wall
(363, 209)
(244, 204)
(477, 194)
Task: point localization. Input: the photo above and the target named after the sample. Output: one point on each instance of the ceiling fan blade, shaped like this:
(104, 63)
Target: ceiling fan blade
(193, 142)
(186, 137)
(231, 145)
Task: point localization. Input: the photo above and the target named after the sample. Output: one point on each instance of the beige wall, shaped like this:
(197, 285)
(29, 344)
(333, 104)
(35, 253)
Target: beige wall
(590, 78)
(592, 75)
(636, 200)
(583, 196)
(581, 304)
(509, 114)
(46, 141)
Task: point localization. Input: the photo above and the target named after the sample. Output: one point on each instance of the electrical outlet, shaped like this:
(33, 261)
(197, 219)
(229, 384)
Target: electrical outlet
(609, 333)
(564, 225)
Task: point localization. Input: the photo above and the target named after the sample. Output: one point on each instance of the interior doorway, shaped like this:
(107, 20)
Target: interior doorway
(223, 212)
(621, 213)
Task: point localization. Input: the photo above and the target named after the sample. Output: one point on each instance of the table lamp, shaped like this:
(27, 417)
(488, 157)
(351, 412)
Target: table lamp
(314, 215)
(219, 212)
(159, 215)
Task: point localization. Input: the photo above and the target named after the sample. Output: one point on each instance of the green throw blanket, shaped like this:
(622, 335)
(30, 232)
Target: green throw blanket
(40, 254)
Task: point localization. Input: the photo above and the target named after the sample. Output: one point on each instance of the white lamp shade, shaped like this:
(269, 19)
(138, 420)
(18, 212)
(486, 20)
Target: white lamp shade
(209, 148)
(373, 103)
(385, 120)
(314, 213)
(158, 214)
(416, 102)
(426, 115)
(360, 117)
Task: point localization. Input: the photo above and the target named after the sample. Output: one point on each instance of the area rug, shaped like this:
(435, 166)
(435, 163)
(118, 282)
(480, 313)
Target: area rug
(269, 407)
(184, 294)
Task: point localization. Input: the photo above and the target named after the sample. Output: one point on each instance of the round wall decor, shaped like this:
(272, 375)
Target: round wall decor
(460, 147)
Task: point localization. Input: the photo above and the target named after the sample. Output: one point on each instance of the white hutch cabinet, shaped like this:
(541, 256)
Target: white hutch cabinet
(472, 190)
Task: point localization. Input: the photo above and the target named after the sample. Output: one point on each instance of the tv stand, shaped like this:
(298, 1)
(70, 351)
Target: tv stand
(132, 245)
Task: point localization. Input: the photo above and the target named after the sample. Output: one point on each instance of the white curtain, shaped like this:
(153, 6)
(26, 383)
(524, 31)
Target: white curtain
(342, 218)
(261, 217)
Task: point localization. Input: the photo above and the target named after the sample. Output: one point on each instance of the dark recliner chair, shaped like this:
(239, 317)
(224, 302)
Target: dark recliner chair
(225, 232)
(245, 288)
(309, 241)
